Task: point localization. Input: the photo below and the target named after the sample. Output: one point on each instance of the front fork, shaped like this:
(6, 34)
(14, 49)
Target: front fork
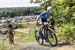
(45, 33)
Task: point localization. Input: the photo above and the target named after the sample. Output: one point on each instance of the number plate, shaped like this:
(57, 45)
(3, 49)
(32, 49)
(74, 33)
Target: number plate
(45, 23)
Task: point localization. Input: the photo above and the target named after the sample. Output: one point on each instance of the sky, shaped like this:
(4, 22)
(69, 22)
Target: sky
(5, 2)
(15, 3)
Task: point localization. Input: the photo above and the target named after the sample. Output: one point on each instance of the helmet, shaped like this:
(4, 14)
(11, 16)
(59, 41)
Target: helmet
(49, 8)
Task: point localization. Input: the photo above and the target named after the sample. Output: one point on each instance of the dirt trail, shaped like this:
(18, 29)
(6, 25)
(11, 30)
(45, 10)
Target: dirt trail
(34, 46)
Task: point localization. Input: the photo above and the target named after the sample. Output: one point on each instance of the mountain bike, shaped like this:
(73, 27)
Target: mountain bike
(46, 32)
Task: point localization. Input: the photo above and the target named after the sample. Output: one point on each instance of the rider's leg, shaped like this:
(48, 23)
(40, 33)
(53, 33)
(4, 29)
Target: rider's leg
(46, 36)
(40, 30)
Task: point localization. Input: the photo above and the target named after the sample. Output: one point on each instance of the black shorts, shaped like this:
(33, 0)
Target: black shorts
(44, 20)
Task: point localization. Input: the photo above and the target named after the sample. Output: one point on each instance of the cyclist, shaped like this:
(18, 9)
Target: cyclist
(43, 18)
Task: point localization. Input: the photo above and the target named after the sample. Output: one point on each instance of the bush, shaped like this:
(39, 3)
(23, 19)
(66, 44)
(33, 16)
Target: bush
(67, 33)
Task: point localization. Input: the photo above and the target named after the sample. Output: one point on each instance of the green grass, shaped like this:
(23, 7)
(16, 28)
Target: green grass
(24, 37)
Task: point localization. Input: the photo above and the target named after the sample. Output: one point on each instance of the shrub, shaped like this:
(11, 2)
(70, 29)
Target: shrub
(67, 33)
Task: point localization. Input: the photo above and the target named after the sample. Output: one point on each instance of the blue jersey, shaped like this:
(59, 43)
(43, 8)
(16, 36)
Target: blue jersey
(45, 15)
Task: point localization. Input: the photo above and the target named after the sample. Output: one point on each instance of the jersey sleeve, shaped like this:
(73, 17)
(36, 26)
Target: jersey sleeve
(42, 14)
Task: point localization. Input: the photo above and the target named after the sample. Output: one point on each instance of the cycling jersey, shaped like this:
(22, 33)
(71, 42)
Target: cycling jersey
(44, 15)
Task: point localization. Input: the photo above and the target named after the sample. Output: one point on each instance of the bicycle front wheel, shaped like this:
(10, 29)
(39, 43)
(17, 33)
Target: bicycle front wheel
(52, 38)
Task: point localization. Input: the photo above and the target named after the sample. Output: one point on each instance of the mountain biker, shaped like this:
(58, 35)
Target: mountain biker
(43, 18)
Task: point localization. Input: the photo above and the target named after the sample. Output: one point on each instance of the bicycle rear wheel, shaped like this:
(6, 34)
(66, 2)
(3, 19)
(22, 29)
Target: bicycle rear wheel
(52, 38)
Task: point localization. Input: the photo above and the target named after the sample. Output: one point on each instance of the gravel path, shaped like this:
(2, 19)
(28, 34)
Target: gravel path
(34, 46)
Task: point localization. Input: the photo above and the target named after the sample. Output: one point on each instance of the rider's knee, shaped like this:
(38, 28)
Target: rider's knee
(40, 27)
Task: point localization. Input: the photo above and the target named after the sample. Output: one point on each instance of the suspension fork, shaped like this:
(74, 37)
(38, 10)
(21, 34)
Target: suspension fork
(45, 32)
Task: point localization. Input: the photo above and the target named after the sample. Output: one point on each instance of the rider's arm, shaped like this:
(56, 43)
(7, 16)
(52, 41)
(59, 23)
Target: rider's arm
(38, 18)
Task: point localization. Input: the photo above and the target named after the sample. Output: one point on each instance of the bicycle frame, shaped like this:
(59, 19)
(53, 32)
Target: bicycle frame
(45, 31)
